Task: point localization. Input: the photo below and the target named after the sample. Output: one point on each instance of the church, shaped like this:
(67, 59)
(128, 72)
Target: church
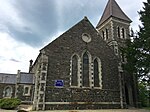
(81, 69)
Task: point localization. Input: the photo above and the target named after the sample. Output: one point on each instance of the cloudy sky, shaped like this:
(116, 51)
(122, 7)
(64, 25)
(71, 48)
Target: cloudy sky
(28, 25)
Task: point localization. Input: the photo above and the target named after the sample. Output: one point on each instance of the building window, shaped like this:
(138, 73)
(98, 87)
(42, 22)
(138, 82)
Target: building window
(106, 33)
(44, 66)
(118, 30)
(74, 72)
(26, 90)
(7, 91)
(123, 33)
(103, 34)
(42, 86)
(85, 70)
(116, 49)
(96, 73)
(43, 76)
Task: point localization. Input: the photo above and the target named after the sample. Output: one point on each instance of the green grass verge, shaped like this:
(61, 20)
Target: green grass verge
(147, 108)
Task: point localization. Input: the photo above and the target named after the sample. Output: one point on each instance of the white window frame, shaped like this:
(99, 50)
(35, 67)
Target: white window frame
(124, 33)
(29, 89)
(78, 73)
(4, 91)
(119, 32)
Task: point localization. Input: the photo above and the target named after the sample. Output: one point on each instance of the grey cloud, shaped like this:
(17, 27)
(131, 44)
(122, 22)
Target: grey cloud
(43, 20)
(40, 20)
(32, 39)
(74, 11)
(14, 60)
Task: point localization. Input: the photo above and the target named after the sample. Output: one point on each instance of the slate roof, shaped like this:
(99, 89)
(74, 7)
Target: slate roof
(7, 78)
(113, 10)
(26, 78)
(11, 78)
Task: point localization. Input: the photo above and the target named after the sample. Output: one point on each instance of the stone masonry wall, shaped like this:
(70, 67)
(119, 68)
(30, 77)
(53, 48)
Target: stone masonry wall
(59, 54)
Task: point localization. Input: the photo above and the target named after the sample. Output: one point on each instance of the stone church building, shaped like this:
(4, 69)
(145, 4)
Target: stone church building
(82, 68)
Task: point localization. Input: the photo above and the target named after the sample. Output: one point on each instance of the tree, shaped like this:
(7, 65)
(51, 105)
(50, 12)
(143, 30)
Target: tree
(137, 51)
(142, 44)
(129, 51)
(143, 94)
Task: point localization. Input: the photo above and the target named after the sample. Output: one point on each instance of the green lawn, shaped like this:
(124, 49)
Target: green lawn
(147, 108)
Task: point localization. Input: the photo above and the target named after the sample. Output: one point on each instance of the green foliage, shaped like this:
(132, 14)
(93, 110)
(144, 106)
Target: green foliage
(130, 53)
(137, 51)
(143, 94)
(9, 103)
(147, 108)
(142, 44)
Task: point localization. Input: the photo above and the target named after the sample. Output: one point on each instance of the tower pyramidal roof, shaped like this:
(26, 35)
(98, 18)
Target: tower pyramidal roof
(113, 10)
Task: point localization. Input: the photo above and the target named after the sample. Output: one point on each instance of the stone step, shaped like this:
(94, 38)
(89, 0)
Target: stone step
(25, 107)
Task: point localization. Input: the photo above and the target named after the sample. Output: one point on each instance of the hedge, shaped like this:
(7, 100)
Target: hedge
(9, 103)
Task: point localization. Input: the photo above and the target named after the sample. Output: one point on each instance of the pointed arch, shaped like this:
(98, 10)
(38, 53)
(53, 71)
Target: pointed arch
(97, 73)
(123, 33)
(118, 30)
(103, 35)
(107, 33)
(7, 91)
(116, 48)
(74, 70)
(86, 60)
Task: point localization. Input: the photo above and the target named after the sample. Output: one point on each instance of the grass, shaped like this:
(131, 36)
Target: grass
(147, 108)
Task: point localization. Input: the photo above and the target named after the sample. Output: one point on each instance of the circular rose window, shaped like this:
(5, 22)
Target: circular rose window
(86, 37)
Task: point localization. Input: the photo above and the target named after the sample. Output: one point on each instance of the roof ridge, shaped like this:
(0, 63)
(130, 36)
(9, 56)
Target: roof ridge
(7, 74)
(112, 9)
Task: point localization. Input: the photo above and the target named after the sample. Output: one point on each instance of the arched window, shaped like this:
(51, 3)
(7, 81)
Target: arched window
(96, 73)
(103, 34)
(85, 70)
(7, 92)
(116, 49)
(118, 30)
(74, 77)
(123, 33)
(106, 33)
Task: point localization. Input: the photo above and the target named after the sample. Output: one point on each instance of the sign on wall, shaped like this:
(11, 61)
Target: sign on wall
(59, 83)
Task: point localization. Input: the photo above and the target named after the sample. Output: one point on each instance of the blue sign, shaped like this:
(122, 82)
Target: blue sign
(59, 83)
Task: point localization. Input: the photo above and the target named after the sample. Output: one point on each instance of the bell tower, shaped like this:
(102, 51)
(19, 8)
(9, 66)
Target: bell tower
(114, 26)
(114, 29)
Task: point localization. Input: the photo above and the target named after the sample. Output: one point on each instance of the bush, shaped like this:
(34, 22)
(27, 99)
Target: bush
(9, 103)
(143, 95)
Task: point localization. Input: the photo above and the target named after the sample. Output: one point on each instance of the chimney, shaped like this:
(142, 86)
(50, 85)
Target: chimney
(18, 77)
(30, 66)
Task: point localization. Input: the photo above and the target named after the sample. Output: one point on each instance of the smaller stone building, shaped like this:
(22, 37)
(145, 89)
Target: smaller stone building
(20, 85)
